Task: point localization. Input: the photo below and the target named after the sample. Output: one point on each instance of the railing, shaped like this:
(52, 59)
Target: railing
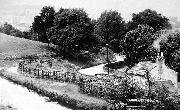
(53, 74)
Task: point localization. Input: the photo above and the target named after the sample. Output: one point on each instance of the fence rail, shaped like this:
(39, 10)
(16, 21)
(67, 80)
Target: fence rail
(54, 75)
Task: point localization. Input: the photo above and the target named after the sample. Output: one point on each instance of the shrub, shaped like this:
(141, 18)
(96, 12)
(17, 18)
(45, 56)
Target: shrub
(111, 88)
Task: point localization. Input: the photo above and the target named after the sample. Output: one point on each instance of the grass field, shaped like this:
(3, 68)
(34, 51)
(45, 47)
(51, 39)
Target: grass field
(16, 47)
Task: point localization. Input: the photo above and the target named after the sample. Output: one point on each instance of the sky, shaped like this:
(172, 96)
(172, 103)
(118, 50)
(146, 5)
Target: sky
(21, 12)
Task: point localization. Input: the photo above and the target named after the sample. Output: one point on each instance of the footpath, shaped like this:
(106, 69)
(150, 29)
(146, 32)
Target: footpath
(21, 98)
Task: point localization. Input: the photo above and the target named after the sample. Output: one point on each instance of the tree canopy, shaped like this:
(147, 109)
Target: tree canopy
(72, 31)
(171, 50)
(136, 43)
(110, 27)
(43, 22)
(151, 18)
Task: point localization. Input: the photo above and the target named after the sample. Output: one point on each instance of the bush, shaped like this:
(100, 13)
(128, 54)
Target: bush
(163, 98)
(111, 88)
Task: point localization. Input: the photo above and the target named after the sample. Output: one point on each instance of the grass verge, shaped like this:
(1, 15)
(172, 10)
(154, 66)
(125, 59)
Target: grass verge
(64, 93)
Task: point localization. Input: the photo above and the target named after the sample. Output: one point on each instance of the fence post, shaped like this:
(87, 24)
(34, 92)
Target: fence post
(38, 73)
(54, 75)
(66, 77)
(29, 70)
(74, 77)
(51, 75)
(20, 67)
(26, 69)
(23, 68)
(42, 75)
(48, 74)
(35, 72)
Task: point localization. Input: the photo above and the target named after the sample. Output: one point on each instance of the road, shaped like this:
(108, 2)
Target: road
(99, 68)
(21, 98)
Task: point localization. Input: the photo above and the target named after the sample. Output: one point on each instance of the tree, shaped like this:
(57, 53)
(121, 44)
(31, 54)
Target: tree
(110, 27)
(151, 18)
(136, 43)
(171, 50)
(29, 34)
(6, 28)
(43, 22)
(72, 31)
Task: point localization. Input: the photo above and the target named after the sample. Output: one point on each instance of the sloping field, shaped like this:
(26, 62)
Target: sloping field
(16, 47)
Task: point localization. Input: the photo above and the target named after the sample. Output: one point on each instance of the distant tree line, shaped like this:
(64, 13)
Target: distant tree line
(10, 30)
(75, 33)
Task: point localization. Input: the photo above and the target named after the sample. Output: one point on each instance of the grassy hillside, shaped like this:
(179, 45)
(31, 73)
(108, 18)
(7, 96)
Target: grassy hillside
(16, 47)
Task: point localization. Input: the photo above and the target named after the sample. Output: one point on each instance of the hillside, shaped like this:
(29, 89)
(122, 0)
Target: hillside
(11, 46)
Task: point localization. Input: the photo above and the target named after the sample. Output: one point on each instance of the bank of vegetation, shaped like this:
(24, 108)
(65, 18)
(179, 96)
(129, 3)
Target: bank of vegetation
(66, 94)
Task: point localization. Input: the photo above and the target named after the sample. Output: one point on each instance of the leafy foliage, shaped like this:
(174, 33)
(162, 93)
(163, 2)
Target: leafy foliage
(111, 88)
(110, 27)
(171, 49)
(151, 18)
(162, 98)
(72, 31)
(43, 22)
(10, 30)
(136, 42)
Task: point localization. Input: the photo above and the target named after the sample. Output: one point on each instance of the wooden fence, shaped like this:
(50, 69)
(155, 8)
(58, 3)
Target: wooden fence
(54, 75)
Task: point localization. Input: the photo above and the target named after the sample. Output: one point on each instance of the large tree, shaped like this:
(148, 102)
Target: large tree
(171, 49)
(137, 44)
(151, 18)
(43, 22)
(110, 27)
(72, 31)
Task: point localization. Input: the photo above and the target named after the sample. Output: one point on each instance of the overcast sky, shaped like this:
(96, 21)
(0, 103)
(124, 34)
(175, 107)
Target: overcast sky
(25, 10)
